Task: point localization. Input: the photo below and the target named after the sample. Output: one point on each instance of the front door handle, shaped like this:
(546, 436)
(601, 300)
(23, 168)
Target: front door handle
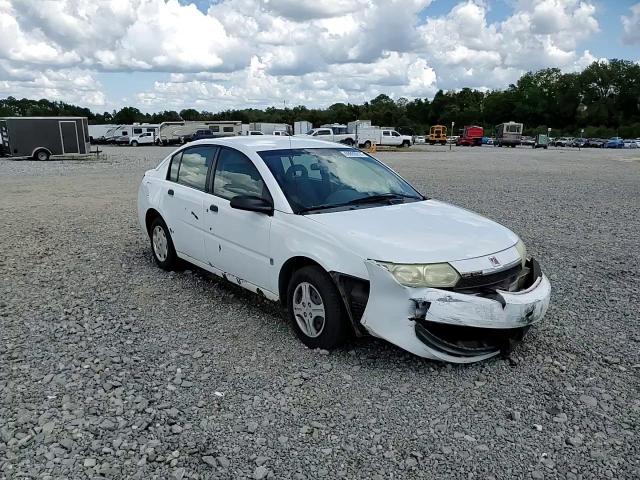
(170, 192)
(213, 208)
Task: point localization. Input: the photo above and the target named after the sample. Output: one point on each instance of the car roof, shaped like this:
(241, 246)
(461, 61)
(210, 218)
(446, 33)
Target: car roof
(260, 143)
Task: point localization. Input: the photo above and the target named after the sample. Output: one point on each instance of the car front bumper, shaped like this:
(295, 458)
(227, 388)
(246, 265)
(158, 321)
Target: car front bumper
(408, 317)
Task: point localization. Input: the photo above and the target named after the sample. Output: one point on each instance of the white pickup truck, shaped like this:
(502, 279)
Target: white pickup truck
(383, 137)
(328, 135)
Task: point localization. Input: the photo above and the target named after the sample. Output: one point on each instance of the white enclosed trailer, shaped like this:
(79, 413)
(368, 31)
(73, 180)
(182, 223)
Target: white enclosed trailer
(269, 128)
(98, 133)
(301, 127)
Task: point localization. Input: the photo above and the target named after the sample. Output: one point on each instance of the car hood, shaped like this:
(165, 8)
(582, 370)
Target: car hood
(419, 232)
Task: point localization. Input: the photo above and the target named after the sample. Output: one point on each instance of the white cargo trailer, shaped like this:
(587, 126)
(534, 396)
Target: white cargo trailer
(302, 127)
(98, 133)
(356, 125)
(269, 128)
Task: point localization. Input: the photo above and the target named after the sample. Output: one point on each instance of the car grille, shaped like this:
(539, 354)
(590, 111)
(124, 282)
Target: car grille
(498, 280)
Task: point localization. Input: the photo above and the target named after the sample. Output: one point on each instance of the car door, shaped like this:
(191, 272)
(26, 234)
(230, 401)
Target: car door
(183, 199)
(396, 138)
(237, 241)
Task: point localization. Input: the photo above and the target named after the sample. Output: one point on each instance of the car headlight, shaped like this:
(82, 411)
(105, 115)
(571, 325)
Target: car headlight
(522, 250)
(426, 275)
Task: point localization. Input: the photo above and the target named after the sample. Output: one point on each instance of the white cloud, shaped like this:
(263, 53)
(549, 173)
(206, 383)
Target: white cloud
(71, 85)
(631, 26)
(260, 52)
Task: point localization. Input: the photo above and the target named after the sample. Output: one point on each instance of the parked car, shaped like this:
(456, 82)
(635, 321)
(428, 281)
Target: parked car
(200, 135)
(594, 143)
(562, 142)
(281, 133)
(527, 141)
(578, 142)
(146, 138)
(615, 142)
(121, 140)
(630, 144)
(487, 140)
(254, 132)
(541, 141)
(419, 140)
(331, 233)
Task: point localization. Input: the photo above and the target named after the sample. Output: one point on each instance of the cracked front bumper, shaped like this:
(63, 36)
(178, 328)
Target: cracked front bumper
(393, 311)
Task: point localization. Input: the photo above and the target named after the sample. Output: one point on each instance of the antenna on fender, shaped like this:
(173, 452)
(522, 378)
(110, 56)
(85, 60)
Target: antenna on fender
(284, 102)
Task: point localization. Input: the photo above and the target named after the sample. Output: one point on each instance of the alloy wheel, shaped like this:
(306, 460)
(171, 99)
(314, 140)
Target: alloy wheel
(308, 309)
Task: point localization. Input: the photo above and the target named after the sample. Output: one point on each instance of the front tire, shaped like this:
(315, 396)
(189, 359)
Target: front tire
(315, 309)
(162, 247)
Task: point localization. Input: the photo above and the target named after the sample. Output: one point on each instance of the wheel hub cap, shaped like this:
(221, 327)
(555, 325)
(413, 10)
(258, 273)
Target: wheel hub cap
(308, 309)
(160, 244)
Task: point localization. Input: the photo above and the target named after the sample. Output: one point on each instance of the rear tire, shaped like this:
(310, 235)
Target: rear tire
(134, 143)
(41, 155)
(315, 309)
(162, 245)
(367, 144)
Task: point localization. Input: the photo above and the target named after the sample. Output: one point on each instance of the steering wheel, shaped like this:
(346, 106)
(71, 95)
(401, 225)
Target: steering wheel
(296, 171)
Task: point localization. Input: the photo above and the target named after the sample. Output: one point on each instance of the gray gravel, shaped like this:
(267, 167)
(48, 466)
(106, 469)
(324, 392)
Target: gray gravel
(113, 368)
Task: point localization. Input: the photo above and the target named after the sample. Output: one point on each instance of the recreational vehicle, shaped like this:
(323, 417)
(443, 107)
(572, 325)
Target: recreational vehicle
(508, 134)
(183, 131)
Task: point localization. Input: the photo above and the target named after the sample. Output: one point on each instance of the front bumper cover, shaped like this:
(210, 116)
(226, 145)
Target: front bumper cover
(393, 311)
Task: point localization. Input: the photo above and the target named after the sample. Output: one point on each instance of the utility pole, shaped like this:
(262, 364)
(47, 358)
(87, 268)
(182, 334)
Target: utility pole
(451, 136)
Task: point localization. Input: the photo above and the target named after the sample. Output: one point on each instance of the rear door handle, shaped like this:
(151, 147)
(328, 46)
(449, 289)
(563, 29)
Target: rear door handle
(213, 208)
(170, 192)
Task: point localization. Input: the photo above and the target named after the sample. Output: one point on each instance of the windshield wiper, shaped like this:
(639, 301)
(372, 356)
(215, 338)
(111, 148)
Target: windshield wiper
(359, 201)
(379, 198)
(320, 207)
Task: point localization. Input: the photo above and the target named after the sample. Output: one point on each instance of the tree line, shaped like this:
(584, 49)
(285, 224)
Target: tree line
(603, 99)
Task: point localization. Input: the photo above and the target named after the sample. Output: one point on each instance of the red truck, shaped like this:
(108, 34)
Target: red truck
(471, 136)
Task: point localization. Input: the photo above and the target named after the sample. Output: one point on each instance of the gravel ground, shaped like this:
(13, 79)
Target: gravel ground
(113, 368)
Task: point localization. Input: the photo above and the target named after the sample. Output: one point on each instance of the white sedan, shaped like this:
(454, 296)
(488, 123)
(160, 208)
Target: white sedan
(345, 244)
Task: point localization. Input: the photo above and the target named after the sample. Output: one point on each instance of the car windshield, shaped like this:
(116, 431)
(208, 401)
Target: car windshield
(317, 179)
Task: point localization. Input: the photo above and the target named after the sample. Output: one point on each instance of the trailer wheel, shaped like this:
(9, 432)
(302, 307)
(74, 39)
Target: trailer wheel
(41, 155)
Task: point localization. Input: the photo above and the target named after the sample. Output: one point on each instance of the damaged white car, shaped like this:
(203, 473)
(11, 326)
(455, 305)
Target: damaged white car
(345, 244)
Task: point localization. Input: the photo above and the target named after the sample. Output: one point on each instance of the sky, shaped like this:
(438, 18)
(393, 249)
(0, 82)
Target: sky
(220, 54)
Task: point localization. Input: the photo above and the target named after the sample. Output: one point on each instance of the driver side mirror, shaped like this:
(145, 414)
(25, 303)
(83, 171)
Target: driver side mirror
(250, 203)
